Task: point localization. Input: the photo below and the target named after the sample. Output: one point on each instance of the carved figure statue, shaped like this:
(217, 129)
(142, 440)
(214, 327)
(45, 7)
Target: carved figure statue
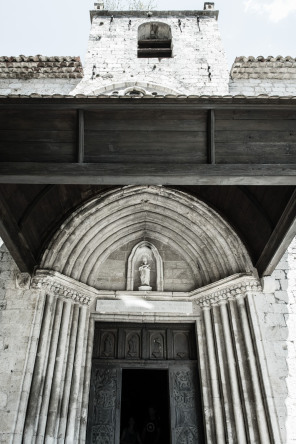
(145, 271)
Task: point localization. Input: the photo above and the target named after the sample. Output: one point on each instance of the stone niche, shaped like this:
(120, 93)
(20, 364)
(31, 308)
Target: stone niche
(145, 250)
(169, 269)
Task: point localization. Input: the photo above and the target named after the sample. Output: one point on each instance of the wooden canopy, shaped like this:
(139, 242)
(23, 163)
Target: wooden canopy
(236, 154)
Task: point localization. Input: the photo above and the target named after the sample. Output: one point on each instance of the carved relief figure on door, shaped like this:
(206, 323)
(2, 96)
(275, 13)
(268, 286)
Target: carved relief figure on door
(133, 346)
(107, 346)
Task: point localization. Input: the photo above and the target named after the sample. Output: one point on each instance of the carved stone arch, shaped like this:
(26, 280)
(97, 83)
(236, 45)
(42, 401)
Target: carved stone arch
(209, 246)
(147, 88)
(130, 266)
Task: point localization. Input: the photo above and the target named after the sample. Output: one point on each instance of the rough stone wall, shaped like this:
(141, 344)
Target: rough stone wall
(276, 315)
(255, 87)
(113, 47)
(177, 274)
(37, 86)
(17, 311)
(274, 76)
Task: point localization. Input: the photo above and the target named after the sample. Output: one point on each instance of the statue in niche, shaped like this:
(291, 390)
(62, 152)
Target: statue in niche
(144, 270)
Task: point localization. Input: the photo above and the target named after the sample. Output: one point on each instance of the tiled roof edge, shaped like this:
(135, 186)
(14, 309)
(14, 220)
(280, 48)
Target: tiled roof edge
(40, 58)
(203, 98)
(244, 59)
(37, 67)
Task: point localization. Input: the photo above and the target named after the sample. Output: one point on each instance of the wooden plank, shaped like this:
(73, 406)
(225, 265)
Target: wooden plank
(147, 154)
(264, 153)
(256, 136)
(154, 52)
(133, 114)
(279, 240)
(255, 125)
(150, 174)
(155, 43)
(145, 125)
(161, 151)
(162, 148)
(37, 151)
(36, 135)
(34, 119)
(180, 104)
(211, 137)
(81, 136)
(254, 114)
(14, 240)
(92, 138)
(168, 103)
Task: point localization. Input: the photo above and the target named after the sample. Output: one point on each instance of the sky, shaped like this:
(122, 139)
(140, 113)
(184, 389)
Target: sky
(61, 27)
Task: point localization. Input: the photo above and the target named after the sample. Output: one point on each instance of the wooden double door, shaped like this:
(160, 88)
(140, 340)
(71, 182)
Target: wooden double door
(145, 374)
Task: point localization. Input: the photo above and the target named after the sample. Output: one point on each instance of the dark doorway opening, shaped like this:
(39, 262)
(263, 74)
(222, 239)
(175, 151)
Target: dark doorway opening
(145, 397)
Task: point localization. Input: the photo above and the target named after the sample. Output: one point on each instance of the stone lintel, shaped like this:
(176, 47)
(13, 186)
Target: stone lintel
(133, 304)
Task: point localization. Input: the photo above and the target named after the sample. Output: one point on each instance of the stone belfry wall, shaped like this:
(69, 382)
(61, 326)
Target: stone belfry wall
(197, 64)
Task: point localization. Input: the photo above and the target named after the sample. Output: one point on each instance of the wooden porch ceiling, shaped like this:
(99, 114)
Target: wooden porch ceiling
(236, 154)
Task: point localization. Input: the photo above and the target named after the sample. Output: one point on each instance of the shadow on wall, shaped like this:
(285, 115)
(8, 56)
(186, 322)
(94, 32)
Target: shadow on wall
(277, 318)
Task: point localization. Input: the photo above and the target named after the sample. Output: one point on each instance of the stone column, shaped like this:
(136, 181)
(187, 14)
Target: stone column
(74, 419)
(54, 407)
(34, 403)
(214, 378)
(254, 373)
(86, 385)
(232, 368)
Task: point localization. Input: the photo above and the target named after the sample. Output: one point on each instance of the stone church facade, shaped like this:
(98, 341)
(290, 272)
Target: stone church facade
(148, 278)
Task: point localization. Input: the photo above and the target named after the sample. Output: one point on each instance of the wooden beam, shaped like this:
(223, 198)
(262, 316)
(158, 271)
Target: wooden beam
(145, 173)
(80, 136)
(211, 137)
(152, 103)
(14, 240)
(280, 239)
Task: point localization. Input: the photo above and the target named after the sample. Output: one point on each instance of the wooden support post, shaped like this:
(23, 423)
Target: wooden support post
(80, 136)
(211, 137)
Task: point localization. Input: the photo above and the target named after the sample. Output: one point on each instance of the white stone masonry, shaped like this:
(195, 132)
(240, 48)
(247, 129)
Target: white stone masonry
(276, 315)
(37, 86)
(197, 66)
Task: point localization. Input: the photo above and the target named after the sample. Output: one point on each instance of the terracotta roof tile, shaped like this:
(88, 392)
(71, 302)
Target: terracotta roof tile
(37, 67)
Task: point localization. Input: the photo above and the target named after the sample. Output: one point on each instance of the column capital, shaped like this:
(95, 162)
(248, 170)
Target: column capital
(231, 292)
(60, 287)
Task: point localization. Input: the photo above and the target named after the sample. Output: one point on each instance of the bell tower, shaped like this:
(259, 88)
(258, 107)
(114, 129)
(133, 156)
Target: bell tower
(154, 53)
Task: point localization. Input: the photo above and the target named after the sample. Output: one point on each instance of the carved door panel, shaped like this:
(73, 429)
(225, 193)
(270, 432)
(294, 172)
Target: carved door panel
(186, 415)
(104, 406)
